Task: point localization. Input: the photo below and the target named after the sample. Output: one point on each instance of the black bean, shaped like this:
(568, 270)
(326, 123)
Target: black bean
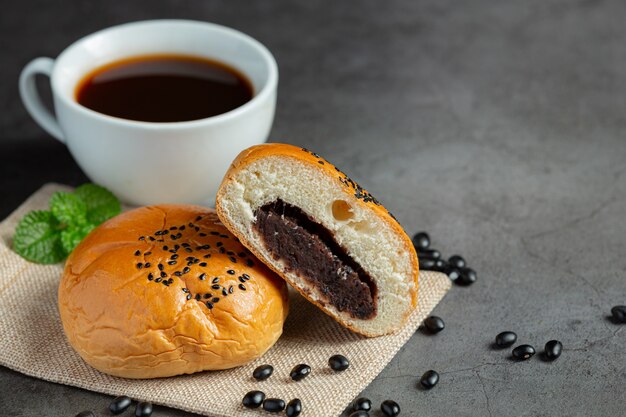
(253, 399)
(362, 404)
(434, 324)
(261, 373)
(429, 379)
(619, 314)
(553, 349)
(390, 408)
(143, 409)
(119, 404)
(452, 272)
(505, 339)
(427, 264)
(360, 413)
(523, 352)
(441, 265)
(468, 277)
(457, 261)
(274, 405)
(421, 240)
(86, 414)
(428, 253)
(338, 363)
(294, 408)
(300, 372)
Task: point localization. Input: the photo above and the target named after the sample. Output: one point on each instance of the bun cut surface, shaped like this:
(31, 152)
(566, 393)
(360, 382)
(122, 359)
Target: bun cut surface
(324, 234)
(167, 290)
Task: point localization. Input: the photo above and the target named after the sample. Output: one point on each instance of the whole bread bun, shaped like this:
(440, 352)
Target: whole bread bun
(324, 234)
(167, 290)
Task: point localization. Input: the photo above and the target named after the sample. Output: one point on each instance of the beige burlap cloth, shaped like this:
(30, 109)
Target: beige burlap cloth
(32, 342)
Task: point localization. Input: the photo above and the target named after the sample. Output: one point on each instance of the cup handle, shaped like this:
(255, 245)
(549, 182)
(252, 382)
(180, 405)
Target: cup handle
(32, 100)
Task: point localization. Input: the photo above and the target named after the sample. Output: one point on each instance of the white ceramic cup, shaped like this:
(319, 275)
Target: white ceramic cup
(151, 163)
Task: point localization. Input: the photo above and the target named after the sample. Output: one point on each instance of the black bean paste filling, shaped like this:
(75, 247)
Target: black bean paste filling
(309, 250)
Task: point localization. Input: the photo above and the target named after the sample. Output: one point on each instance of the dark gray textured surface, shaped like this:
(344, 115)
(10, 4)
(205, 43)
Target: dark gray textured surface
(499, 126)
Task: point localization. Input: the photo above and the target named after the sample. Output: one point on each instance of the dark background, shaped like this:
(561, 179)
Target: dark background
(498, 126)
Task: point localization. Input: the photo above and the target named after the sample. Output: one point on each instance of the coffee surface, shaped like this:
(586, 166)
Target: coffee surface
(164, 88)
(309, 250)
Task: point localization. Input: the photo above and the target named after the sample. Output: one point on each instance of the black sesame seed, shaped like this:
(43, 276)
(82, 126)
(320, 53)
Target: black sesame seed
(230, 252)
(139, 265)
(215, 299)
(242, 279)
(553, 349)
(294, 408)
(196, 228)
(172, 262)
(230, 272)
(165, 247)
(150, 276)
(174, 256)
(222, 250)
(151, 238)
(198, 218)
(523, 352)
(245, 276)
(203, 264)
(157, 280)
(163, 274)
(505, 339)
(186, 270)
(233, 259)
(249, 262)
(390, 408)
(242, 287)
(216, 286)
(143, 409)
(147, 265)
(119, 404)
(362, 404)
(320, 162)
(224, 236)
(429, 379)
(202, 234)
(253, 399)
(185, 245)
(224, 292)
(202, 276)
(209, 305)
(338, 363)
(214, 233)
(230, 289)
(208, 255)
(188, 250)
(198, 247)
(434, 324)
(421, 240)
(619, 314)
(188, 296)
(160, 266)
(184, 290)
(242, 254)
(137, 252)
(198, 296)
(166, 283)
(207, 295)
(273, 405)
(215, 280)
(178, 274)
(299, 372)
(196, 260)
(219, 244)
(142, 238)
(182, 227)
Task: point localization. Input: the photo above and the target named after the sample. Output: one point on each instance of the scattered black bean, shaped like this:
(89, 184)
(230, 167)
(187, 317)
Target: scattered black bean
(294, 408)
(429, 379)
(441, 265)
(452, 272)
(261, 373)
(86, 414)
(434, 324)
(143, 409)
(553, 349)
(457, 261)
(523, 352)
(360, 413)
(362, 404)
(619, 314)
(468, 277)
(273, 405)
(390, 408)
(429, 253)
(421, 240)
(253, 399)
(119, 404)
(338, 363)
(427, 264)
(300, 372)
(505, 339)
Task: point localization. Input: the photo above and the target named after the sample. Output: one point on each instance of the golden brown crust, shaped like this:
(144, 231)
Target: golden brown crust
(355, 195)
(123, 320)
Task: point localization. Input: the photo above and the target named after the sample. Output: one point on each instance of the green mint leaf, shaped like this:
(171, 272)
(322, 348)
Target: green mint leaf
(68, 208)
(37, 238)
(101, 203)
(73, 235)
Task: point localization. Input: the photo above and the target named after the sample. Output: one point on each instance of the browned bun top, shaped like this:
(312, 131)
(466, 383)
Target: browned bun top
(166, 290)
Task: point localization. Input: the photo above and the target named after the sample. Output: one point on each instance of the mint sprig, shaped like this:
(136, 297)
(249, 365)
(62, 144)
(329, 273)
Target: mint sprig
(48, 237)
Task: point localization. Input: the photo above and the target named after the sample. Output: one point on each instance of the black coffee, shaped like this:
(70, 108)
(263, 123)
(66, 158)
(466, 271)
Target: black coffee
(164, 88)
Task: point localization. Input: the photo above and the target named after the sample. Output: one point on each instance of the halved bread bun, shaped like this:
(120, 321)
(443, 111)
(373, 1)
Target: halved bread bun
(324, 234)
